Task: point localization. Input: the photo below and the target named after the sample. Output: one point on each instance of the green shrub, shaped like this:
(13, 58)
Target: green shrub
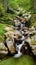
(2, 10)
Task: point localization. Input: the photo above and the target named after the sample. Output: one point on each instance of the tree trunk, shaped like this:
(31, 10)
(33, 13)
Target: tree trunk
(5, 4)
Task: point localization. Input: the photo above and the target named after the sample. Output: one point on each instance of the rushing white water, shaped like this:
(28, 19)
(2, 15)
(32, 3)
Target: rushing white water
(18, 47)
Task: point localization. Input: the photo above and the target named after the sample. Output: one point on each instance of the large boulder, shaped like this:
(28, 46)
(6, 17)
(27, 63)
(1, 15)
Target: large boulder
(3, 50)
(34, 49)
(10, 45)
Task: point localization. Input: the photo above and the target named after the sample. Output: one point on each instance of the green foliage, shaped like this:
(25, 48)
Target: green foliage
(15, 4)
(20, 3)
(33, 20)
(2, 31)
(1, 9)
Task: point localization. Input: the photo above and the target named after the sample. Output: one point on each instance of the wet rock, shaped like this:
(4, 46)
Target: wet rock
(10, 45)
(3, 50)
(34, 49)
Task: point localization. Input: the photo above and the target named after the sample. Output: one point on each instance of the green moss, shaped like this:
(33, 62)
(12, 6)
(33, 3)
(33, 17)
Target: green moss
(2, 31)
(33, 42)
(25, 60)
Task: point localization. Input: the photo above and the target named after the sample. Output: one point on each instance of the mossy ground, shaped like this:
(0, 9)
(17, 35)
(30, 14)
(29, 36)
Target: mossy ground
(25, 60)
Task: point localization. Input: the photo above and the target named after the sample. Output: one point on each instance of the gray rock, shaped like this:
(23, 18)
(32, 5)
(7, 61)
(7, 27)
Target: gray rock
(3, 50)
